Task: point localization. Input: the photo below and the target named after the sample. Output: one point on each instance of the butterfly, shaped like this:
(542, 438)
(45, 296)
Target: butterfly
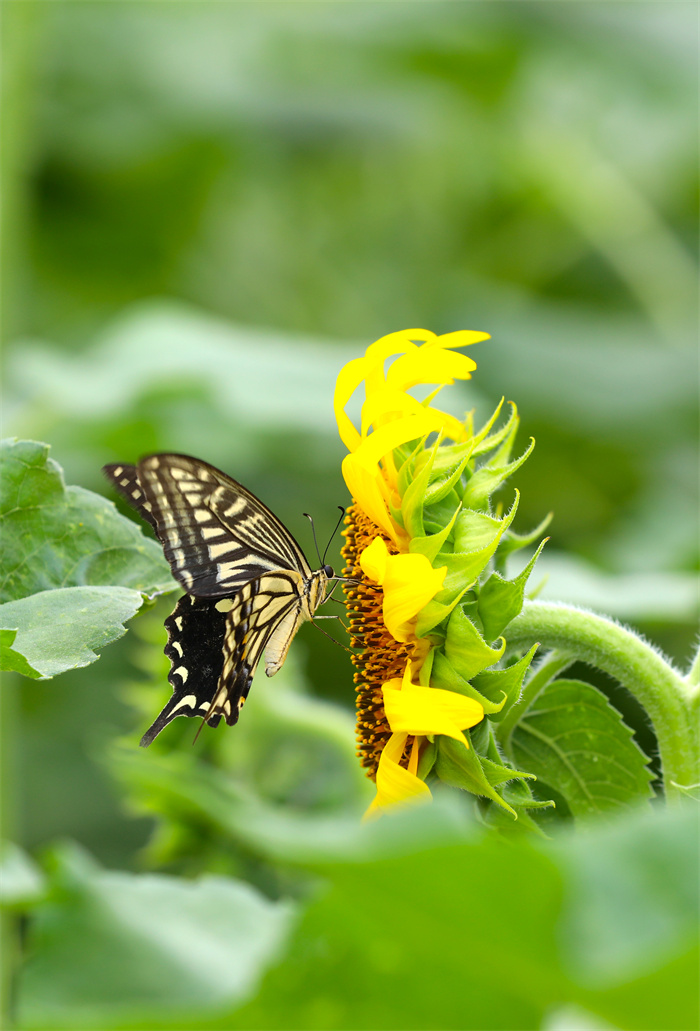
(248, 584)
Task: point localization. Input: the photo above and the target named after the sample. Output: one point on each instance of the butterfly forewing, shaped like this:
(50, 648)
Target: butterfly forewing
(126, 479)
(249, 585)
(215, 533)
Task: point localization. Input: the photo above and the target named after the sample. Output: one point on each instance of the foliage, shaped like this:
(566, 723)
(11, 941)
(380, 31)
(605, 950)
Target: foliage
(73, 570)
(405, 928)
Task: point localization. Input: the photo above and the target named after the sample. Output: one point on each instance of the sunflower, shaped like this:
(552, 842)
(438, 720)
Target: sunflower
(420, 534)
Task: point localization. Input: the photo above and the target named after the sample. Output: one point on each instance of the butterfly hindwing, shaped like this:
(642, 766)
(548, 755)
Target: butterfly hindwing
(258, 611)
(196, 632)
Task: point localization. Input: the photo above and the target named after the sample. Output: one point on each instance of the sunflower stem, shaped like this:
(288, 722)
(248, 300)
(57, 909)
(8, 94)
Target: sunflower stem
(624, 655)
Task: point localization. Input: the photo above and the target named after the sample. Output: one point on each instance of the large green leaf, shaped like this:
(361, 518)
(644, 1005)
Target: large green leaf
(66, 628)
(72, 568)
(57, 536)
(112, 947)
(575, 742)
(425, 921)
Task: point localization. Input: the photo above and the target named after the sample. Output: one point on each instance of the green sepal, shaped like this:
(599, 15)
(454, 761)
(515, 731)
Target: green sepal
(439, 487)
(409, 461)
(481, 436)
(497, 774)
(490, 476)
(484, 443)
(501, 600)
(413, 493)
(427, 760)
(492, 682)
(431, 544)
(517, 793)
(435, 613)
(461, 767)
(465, 648)
(476, 537)
(446, 677)
(511, 542)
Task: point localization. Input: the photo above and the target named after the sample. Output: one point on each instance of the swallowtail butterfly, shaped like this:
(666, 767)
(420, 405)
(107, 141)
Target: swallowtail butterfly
(249, 586)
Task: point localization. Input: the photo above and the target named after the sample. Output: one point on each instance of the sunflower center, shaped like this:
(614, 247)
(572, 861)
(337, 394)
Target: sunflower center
(377, 656)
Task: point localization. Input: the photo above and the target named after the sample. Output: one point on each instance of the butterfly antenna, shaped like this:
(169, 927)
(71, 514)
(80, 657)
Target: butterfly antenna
(342, 516)
(313, 530)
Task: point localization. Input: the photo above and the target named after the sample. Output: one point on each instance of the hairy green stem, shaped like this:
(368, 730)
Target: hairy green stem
(633, 662)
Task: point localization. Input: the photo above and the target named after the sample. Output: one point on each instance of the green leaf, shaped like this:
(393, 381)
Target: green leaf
(576, 742)
(113, 947)
(56, 536)
(63, 629)
(11, 660)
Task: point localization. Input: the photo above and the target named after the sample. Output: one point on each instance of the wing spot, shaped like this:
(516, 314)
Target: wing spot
(118, 470)
(211, 531)
(202, 515)
(125, 481)
(178, 622)
(181, 671)
(225, 605)
(189, 700)
(178, 646)
(217, 550)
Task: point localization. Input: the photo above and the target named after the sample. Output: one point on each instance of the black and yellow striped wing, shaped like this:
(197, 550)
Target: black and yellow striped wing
(215, 533)
(248, 583)
(215, 645)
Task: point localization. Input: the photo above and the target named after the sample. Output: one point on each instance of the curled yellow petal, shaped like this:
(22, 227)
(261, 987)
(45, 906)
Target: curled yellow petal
(412, 709)
(429, 365)
(395, 785)
(409, 583)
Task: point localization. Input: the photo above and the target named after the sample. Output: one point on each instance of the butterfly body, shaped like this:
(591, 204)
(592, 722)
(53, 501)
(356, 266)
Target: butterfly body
(249, 586)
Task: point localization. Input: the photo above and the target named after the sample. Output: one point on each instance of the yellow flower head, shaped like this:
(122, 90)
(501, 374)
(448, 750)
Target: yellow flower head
(419, 535)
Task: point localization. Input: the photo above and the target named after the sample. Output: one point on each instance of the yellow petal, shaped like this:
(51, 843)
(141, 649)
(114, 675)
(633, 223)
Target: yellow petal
(395, 785)
(373, 560)
(413, 709)
(409, 583)
(462, 338)
(429, 365)
(367, 488)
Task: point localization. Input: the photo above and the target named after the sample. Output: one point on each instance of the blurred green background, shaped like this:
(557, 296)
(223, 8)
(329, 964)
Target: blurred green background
(210, 207)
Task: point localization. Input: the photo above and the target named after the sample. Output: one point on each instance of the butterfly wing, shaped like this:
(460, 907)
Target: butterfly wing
(214, 647)
(216, 535)
(196, 631)
(126, 479)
